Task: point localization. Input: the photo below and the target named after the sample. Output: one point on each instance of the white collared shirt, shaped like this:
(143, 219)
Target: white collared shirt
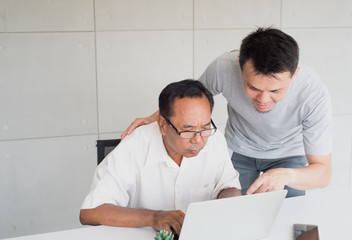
(138, 173)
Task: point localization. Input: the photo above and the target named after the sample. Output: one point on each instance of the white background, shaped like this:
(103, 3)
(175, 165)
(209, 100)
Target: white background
(74, 71)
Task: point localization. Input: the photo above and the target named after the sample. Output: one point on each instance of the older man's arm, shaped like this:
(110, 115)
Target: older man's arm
(229, 192)
(111, 215)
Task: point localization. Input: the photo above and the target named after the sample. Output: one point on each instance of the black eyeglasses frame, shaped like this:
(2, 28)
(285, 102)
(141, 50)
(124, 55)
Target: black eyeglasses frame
(194, 132)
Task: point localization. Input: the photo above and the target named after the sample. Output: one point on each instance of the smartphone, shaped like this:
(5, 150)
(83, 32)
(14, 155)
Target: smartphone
(305, 232)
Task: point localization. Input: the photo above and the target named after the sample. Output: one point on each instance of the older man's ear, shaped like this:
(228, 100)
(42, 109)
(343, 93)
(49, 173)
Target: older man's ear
(162, 125)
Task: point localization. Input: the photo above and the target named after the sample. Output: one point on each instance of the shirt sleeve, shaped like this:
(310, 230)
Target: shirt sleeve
(210, 78)
(114, 181)
(228, 177)
(317, 127)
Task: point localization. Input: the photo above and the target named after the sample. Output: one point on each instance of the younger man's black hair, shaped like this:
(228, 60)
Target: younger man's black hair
(270, 50)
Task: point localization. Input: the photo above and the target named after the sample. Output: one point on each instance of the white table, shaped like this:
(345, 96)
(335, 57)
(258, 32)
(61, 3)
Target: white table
(331, 211)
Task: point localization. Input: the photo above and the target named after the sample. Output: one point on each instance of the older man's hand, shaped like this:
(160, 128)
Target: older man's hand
(170, 221)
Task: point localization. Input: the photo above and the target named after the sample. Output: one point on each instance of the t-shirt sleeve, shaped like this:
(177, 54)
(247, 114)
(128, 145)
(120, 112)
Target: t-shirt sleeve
(223, 75)
(317, 127)
(210, 78)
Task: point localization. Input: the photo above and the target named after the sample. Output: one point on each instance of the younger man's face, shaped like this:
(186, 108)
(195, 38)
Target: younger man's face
(265, 91)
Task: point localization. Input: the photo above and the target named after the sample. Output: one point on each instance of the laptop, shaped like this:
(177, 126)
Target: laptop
(244, 217)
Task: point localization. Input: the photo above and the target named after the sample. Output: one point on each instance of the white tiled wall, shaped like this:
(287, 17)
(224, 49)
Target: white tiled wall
(46, 16)
(342, 164)
(328, 51)
(143, 15)
(48, 85)
(316, 14)
(43, 182)
(73, 71)
(220, 14)
(133, 67)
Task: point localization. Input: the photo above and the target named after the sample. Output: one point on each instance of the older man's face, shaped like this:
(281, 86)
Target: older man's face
(190, 114)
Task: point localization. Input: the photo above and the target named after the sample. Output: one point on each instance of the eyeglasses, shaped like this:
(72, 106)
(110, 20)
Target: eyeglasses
(191, 134)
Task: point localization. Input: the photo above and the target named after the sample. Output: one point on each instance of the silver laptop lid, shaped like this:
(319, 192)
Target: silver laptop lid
(244, 217)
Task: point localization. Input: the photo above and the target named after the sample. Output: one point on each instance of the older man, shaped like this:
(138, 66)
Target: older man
(154, 173)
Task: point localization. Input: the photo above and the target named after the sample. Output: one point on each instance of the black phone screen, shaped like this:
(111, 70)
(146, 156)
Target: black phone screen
(305, 232)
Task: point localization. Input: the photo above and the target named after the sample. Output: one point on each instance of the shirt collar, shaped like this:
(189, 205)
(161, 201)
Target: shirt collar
(157, 151)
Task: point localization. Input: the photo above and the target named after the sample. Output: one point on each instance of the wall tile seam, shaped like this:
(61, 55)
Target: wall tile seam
(282, 27)
(350, 175)
(67, 32)
(175, 29)
(96, 68)
(319, 27)
(281, 13)
(47, 137)
(193, 39)
(103, 30)
(342, 115)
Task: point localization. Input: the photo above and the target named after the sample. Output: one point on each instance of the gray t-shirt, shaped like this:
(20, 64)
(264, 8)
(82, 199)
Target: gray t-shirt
(299, 124)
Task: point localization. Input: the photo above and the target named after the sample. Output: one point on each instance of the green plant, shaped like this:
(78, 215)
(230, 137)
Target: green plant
(164, 235)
